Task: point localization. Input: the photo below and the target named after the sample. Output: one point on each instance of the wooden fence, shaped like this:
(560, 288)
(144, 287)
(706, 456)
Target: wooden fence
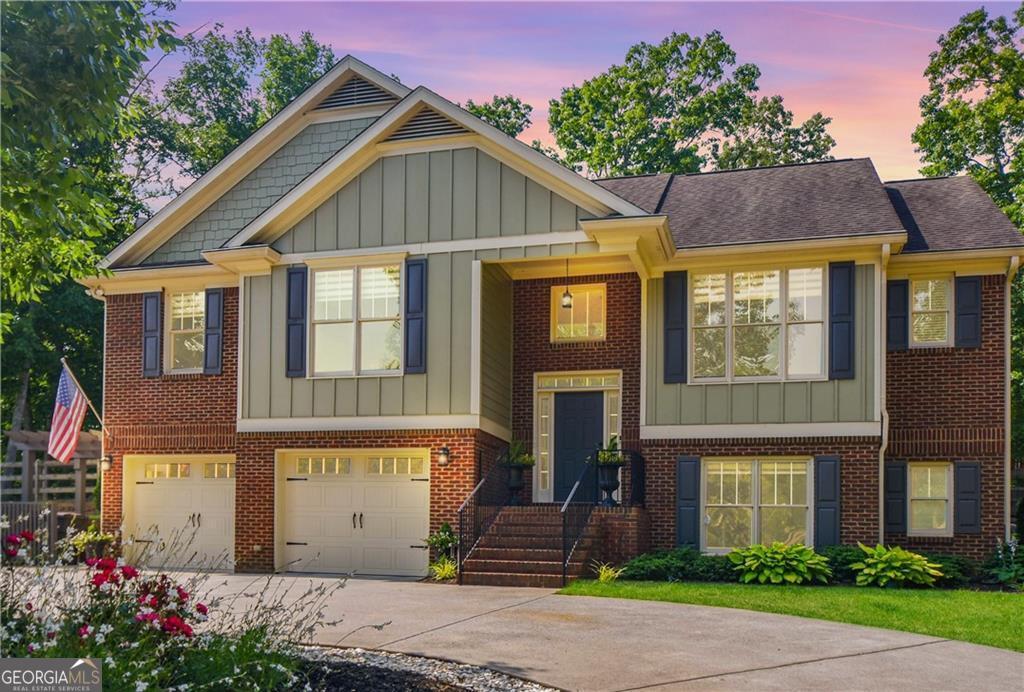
(38, 517)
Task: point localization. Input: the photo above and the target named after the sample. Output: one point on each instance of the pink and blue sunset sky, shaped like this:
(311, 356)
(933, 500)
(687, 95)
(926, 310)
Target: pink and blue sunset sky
(860, 63)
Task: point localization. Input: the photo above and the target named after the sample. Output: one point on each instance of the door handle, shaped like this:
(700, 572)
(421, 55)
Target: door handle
(360, 520)
(353, 520)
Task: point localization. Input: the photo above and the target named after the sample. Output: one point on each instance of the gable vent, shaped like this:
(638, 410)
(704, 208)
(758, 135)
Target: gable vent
(427, 123)
(356, 92)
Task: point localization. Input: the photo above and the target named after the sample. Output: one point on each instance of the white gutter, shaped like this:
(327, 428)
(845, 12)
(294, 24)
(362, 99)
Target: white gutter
(882, 339)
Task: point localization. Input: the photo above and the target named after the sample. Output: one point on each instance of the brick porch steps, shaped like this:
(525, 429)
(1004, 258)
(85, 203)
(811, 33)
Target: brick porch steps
(523, 547)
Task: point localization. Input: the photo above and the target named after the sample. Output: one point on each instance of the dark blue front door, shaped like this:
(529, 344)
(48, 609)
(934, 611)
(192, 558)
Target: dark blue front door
(579, 426)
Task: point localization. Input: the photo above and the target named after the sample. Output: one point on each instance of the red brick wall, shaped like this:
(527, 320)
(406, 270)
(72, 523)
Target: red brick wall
(625, 532)
(858, 476)
(161, 415)
(254, 491)
(533, 351)
(949, 404)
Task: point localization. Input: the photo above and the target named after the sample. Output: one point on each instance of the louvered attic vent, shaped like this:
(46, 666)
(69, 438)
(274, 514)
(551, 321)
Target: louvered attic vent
(427, 123)
(356, 92)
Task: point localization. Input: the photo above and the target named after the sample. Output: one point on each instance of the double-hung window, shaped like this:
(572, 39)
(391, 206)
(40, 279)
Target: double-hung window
(356, 325)
(758, 324)
(931, 512)
(187, 321)
(749, 501)
(930, 303)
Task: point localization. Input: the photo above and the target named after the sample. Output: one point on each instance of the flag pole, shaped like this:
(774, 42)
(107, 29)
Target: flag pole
(64, 362)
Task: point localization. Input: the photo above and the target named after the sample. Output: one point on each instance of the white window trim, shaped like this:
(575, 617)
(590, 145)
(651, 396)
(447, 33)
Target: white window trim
(755, 494)
(556, 291)
(783, 323)
(942, 533)
(168, 344)
(310, 322)
(950, 315)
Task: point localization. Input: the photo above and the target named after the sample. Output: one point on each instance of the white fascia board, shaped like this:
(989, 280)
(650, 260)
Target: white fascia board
(422, 96)
(235, 166)
(763, 430)
(439, 422)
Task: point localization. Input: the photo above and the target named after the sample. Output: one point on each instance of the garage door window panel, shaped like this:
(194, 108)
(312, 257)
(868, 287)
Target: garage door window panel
(168, 471)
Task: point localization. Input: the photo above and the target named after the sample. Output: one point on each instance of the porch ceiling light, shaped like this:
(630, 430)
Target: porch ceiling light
(444, 456)
(567, 297)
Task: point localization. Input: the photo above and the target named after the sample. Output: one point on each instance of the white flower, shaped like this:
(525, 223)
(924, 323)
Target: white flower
(140, 686)
(100, 639)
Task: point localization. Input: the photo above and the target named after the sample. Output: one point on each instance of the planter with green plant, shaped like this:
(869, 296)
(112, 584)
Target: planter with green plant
(91, 543)
(519, 460)
(609, 462)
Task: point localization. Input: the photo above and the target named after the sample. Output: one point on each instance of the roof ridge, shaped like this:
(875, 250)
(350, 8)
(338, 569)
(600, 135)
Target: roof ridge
(631, 177)
(923, 179)
(778, 165)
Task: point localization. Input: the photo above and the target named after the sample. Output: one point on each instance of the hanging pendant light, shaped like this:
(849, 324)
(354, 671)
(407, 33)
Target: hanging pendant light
(567, 297)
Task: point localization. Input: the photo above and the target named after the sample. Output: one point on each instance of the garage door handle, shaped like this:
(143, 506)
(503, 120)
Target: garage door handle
(199, 519)
(419, 547)
(421, 480)
(296, 479)
(353, 520)
(294, 543)
(143, 482)
(360, 520)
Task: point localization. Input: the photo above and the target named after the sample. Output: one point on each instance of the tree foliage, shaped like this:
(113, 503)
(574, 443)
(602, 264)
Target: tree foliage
(972, 121)
(679, 106)
(67, 70)
(509, 114)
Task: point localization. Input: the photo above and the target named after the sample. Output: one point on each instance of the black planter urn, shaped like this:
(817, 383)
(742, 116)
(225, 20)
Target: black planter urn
(608, 481)
(515, 483)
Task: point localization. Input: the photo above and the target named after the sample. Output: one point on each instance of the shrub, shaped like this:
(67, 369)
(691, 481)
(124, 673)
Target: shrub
(607, 573)
(957, 571)
(445, 569)
(681, 564)
(780, 563)
(894, 566)
(840, 558)
(444, 541)
(1007, 564)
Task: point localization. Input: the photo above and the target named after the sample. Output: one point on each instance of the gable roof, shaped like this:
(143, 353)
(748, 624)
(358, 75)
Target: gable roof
(950, 214)
(830, 199)
(244, 158)
(333, 173)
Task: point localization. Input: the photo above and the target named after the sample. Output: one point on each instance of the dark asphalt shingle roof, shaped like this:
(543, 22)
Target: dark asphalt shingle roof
(950, 214)
(829, 199)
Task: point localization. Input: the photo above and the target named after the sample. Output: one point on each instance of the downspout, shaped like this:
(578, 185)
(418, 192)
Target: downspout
(1007, 463)
(882, 351)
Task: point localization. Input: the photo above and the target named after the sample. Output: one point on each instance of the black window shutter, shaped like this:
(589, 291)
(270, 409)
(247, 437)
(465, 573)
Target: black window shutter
(897, 319)
(416, 316)
(295, 344)
(688, 501)
(675, 327)
(842, 282)
(152, 308)
(968, 312)
(967, 494)
(213, 339)
(895, 493)
(826, 501)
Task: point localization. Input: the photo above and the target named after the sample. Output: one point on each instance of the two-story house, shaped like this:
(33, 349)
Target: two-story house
(320, 350)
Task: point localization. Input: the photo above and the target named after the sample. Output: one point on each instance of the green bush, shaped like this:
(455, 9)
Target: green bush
(445, 569)
(680, 564)
(780, 563)
(894, 566)
(957, 571)
(1006, 565)
(840, 558)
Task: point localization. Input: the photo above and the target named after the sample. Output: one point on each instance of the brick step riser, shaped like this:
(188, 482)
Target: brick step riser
(524, 530)
(534, 554)
(538, 542)
(544, 581)
(520, 567)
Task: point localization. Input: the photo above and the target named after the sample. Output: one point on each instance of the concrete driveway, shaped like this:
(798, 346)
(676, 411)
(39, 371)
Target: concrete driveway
(582, 643)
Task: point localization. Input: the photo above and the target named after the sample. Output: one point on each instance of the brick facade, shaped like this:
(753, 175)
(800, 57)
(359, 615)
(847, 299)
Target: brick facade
(858, 478)
(949, 404)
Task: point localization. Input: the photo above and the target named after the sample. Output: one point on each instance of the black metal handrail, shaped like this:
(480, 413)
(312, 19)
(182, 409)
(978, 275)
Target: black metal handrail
(576, 511)
(482, 505)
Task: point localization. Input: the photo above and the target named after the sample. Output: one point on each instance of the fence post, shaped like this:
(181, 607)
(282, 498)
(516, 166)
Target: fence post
(81, 467)
(28, 472)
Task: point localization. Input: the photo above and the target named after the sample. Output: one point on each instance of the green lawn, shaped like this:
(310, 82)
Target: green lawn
(982, 617)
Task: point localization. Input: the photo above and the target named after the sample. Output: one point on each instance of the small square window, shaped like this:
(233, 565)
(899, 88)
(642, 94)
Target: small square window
(219, 470)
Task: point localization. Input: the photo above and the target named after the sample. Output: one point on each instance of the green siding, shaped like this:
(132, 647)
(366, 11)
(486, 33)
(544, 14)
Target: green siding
(496, 345)
(764, 402)
(258, 190)
(436, 196)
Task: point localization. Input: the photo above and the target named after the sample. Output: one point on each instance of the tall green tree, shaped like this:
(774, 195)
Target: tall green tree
(677, 107)
(508, 113)
(67, 70)
(972, 121)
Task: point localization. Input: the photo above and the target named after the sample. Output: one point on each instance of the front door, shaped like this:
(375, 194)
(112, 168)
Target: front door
(579, 429)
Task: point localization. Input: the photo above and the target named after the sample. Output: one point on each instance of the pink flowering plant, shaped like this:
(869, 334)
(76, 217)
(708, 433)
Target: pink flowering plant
(152, 630)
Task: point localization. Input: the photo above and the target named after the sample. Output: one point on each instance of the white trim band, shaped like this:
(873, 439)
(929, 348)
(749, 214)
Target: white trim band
(356, 423)
(746, 431)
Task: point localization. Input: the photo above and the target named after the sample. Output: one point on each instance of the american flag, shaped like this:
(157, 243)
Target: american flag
(68, 414)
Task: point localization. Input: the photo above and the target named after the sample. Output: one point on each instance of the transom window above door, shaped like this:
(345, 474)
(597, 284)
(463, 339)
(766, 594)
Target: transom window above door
(585, 319)
(766, 324)
(186, 323)
(356, 321)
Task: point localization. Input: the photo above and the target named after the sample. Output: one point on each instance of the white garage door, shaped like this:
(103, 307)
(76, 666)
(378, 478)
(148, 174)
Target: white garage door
(348, 513)
(181, 511)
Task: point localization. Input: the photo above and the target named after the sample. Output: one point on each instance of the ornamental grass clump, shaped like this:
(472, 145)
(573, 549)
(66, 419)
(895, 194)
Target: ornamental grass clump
(780, 563)
(152, 630)
(882, 566)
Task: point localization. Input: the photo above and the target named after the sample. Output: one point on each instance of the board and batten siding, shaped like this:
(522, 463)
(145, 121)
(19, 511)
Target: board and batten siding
(453, 194)
(497, 332)
(255, 192)
(764, 402)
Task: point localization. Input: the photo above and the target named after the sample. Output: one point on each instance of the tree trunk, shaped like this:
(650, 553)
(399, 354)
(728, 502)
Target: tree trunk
(18, 415)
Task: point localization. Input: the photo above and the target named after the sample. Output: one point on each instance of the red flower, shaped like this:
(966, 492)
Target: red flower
(28, 535)
(145, 617)
(51, 635)
(173, 624)
(91, 561)
(28, 606)
(83, 631)
(11, 552)
(100, 578)
(106, 564)
(182, 593)
(13, 539)
(201, 608)
(129, 572)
